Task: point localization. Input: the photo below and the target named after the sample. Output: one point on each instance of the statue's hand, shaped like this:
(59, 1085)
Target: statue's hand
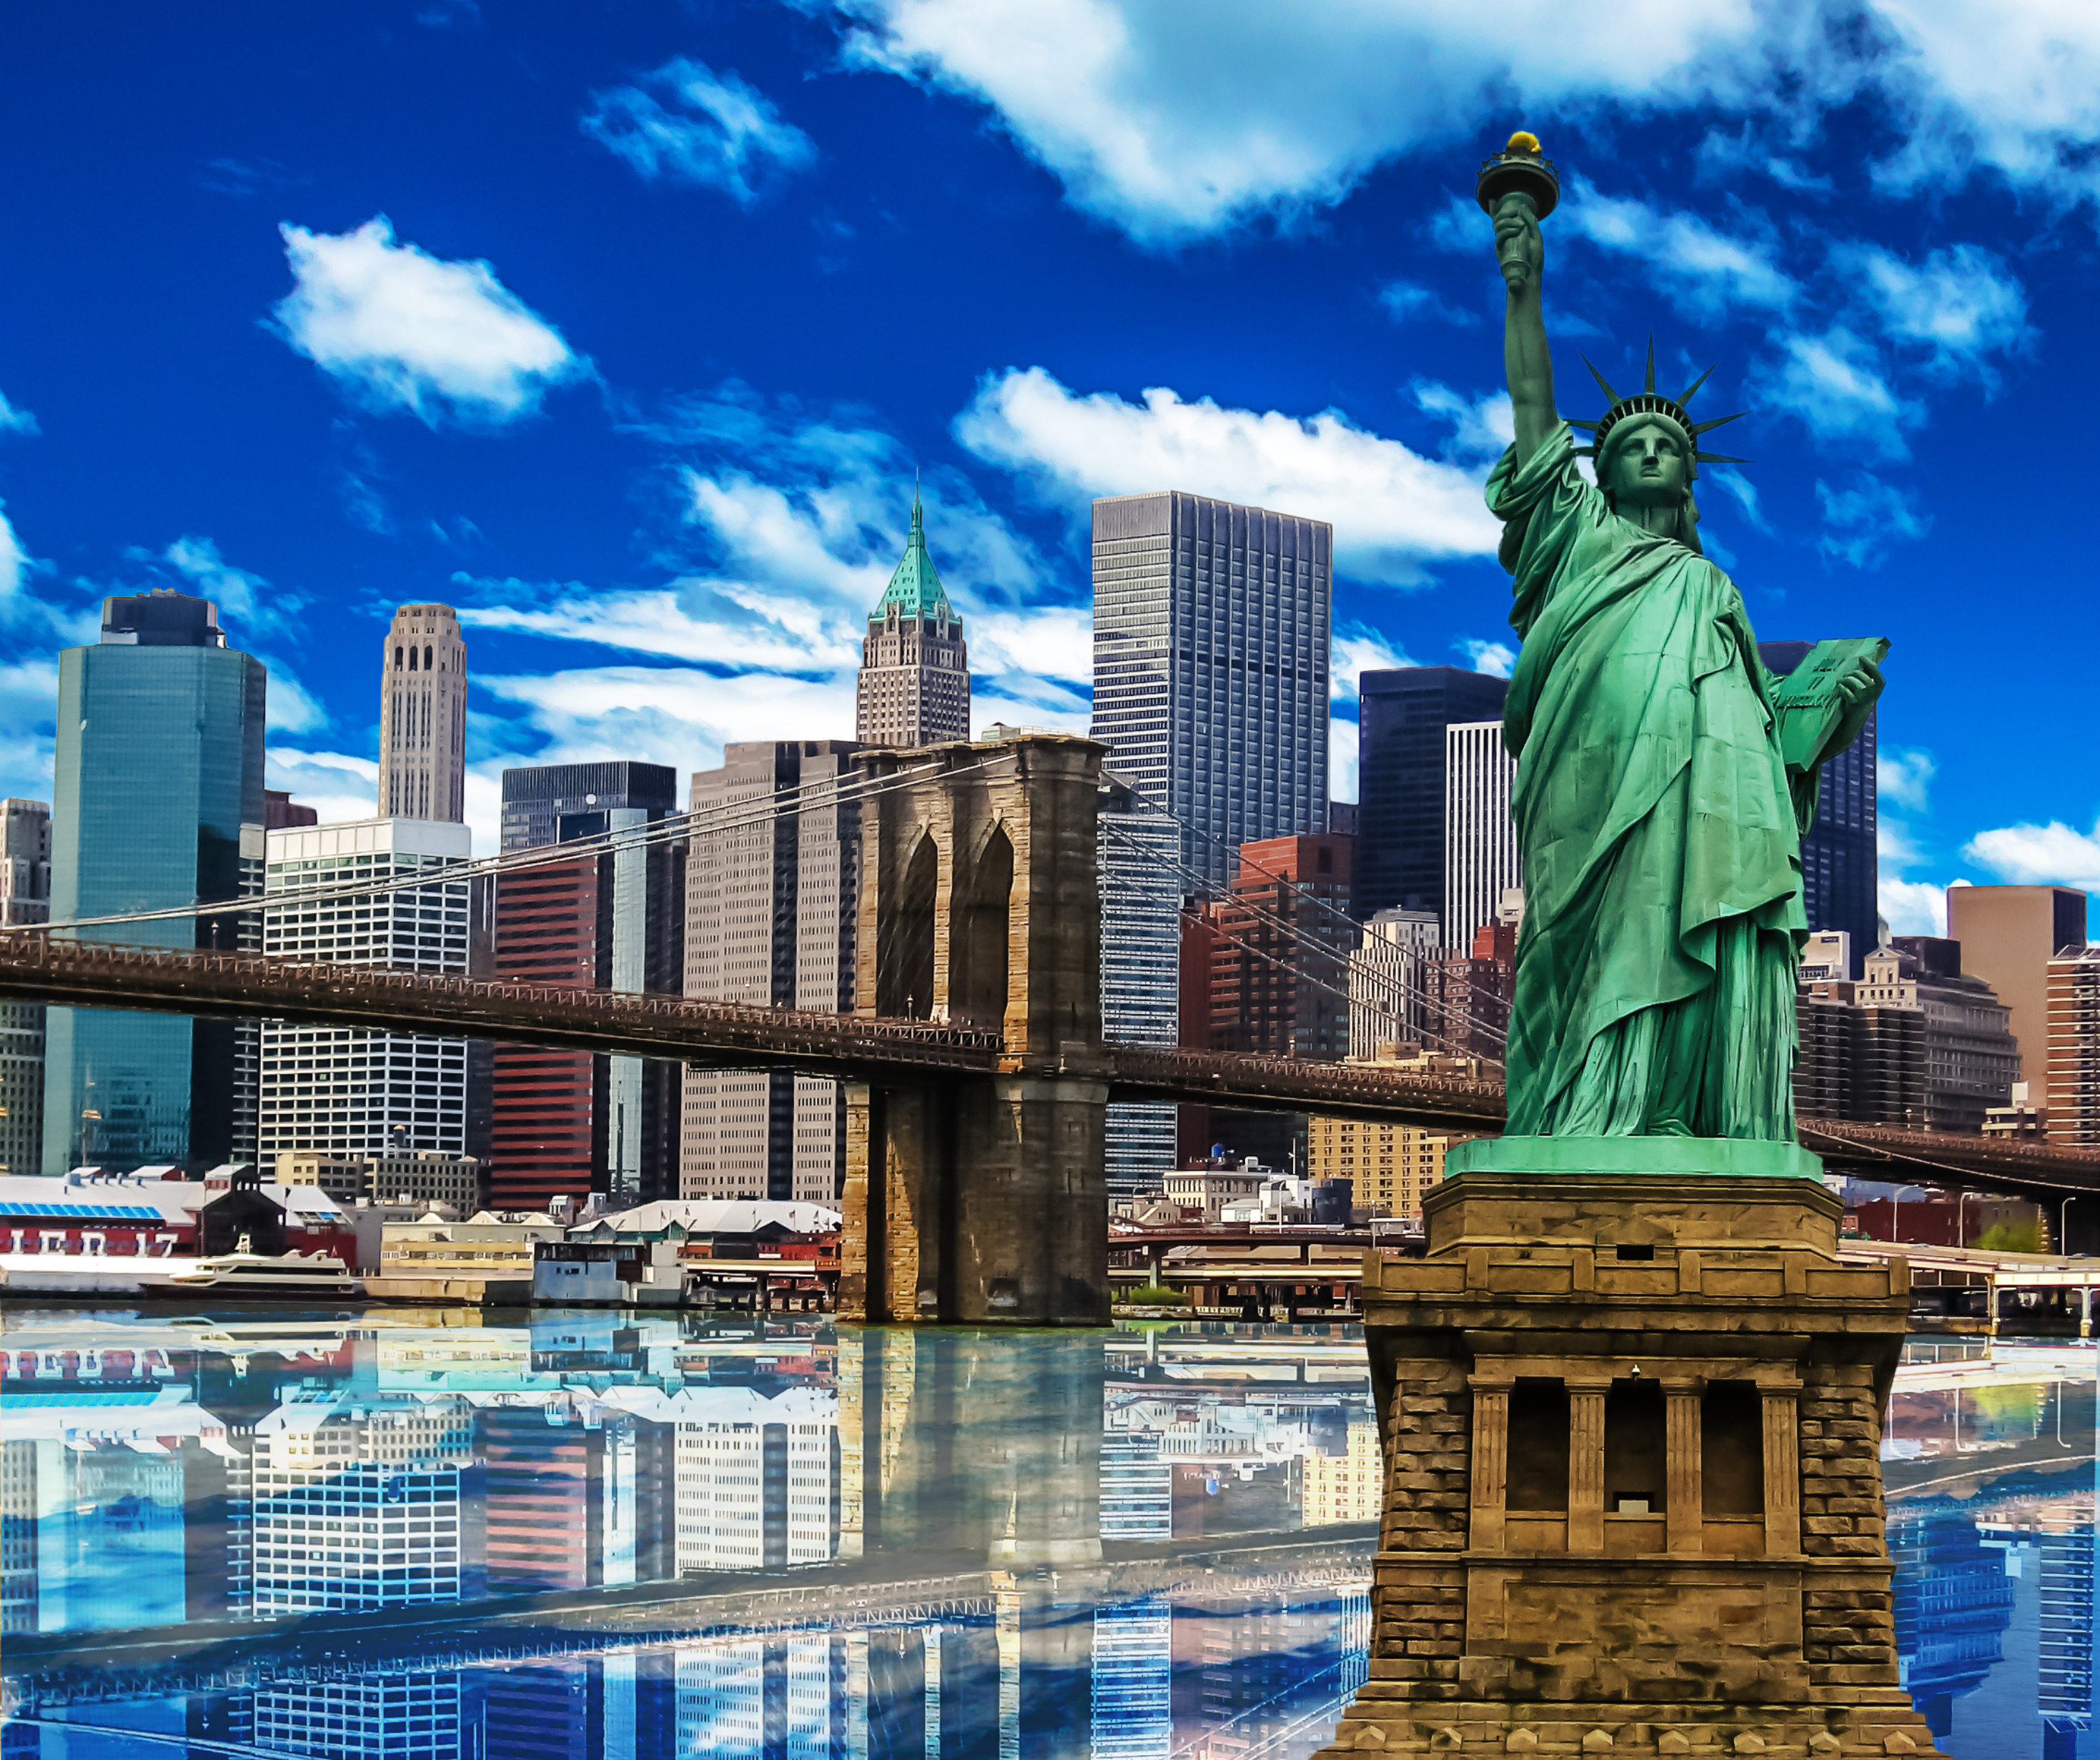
(1519, 249)
(1859, 687)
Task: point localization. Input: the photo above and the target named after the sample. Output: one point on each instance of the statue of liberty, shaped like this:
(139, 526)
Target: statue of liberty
(1663, 784)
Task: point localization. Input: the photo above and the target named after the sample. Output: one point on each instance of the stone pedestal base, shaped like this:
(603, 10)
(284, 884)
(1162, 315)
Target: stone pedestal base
(1631, 1430)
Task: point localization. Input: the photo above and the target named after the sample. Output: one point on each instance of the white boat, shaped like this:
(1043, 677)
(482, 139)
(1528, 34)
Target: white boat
(242, 1273)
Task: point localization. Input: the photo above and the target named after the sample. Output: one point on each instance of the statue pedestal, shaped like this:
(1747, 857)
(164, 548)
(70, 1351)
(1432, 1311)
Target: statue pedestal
(1631, 1427)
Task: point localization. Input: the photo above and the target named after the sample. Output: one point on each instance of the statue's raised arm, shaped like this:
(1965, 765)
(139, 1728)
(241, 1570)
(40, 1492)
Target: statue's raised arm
(1520, 253)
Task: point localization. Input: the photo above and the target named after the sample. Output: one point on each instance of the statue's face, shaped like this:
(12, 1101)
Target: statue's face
(1649, 464)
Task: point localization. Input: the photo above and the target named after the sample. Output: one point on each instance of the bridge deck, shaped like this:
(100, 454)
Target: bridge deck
(39, 968)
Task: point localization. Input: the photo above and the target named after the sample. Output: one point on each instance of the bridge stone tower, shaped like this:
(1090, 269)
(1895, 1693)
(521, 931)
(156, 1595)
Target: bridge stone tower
(970, 1198)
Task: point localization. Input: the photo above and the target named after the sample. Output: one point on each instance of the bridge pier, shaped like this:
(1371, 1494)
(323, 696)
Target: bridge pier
(976, 1200)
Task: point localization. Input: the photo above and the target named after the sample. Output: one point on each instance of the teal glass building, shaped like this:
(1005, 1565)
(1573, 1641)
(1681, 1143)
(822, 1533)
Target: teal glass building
(157, 800)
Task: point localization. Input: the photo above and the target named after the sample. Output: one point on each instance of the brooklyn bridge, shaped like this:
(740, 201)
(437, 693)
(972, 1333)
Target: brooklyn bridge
(977, 1074)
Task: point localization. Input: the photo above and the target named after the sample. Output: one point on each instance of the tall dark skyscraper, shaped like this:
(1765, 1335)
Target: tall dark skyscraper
(557, 803)
(1840, 868)
(569, 1123)
(158, 801)
(1402, 715)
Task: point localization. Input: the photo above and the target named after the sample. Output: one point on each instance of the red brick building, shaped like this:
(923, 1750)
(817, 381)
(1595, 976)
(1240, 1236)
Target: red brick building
(549, 1129)
(1279, 970)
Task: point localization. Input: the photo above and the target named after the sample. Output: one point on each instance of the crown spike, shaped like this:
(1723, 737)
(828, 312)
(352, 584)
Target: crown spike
(1720, 458)
(1685, 397)
(1719, 421)
(1604, 384)
(1649, 388)
(1587, 427)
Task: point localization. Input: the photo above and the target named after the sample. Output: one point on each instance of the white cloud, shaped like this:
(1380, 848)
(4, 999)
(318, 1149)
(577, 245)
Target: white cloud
(1393, 509)
(1741, 489)
(1861, 522)
(28, 709)
(2044, 854)
(399, 329)
(705, 128)
(1496, 659)
(337, 785)
(1404, 302)
(1354, 649)
(1171, 122)
(1912, 907)
(1905, 778)
(1342, 754)
(1834, 383)
(247, 603)
(1959, 306)
(1710, 271)
(14, 560)
(1482, 427)
(14, 420)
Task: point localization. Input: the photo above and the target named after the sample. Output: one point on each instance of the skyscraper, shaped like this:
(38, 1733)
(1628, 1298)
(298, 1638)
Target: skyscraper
(569, 1123)
(1840, 865)
(423, 716)
(914, 666)
(158, 801)
(1403, 715)
(1480, 861)
(25, 897)
(772, 896)
(2009, 935)
(1211, 626)
(347, 1089)
(1279, 973)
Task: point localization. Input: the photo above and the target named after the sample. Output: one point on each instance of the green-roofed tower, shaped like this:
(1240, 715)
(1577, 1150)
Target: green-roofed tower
(914, 668)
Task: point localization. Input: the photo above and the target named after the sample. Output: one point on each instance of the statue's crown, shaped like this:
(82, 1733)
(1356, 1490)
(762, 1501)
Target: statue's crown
(1650, 401)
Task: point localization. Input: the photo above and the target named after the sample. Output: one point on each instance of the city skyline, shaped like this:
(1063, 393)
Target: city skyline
(663, 498)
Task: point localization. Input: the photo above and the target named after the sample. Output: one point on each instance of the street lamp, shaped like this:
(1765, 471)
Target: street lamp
(2063, 1226)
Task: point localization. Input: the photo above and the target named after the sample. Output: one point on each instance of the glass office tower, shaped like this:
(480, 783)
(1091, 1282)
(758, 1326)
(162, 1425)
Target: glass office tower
(1841, 866)
(157, 800)
(1402, 717)
(1211, 626)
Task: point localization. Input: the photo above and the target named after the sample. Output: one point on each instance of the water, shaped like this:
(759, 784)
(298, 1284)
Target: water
(572, 1537)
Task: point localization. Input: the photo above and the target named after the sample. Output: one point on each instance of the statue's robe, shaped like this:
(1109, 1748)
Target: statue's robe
(1660, 829)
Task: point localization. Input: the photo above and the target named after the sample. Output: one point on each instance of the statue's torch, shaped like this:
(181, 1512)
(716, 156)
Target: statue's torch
(1518, 170)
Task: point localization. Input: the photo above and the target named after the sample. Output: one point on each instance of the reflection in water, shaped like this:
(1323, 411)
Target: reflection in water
(606, 1538)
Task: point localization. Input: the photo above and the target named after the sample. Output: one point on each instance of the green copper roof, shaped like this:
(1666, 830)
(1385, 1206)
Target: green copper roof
(915, 589)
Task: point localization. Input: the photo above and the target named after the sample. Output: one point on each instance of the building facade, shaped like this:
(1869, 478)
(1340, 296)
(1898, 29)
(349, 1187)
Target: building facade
(1141, 895)
(1279, 971)
(1480, 859)
(2073, 1113)
(2008, 936)
(25, 897)
(1387, 994)
(1403, 717)
(158, 801)
(423, 716)
(1392, 1166)
(1211, 632)
(772, 897)
(567, 1124)
(346, 1091)
(914, 666)
(1840, 868)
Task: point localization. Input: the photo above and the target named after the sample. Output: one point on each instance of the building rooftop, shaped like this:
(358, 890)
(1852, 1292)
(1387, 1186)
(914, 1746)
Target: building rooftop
(915, 590)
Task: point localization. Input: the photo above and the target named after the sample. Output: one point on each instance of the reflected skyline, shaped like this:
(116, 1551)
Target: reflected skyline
(608, 1536)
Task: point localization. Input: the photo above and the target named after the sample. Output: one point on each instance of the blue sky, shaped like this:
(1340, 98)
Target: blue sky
(624, 329)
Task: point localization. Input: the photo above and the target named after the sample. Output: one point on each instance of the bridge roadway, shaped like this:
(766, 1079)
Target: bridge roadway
(36, 968)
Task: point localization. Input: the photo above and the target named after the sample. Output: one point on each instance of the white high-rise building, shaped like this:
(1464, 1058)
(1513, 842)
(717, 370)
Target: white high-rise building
(755, 1479)
(1480, 860)
(1140, 983)
(1386, 999)
(347, 1089)
(770, 906)
(1211, 626)
(423, 716)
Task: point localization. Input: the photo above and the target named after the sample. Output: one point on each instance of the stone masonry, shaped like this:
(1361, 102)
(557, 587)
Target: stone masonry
(1631, 1427)
(974, 1200)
